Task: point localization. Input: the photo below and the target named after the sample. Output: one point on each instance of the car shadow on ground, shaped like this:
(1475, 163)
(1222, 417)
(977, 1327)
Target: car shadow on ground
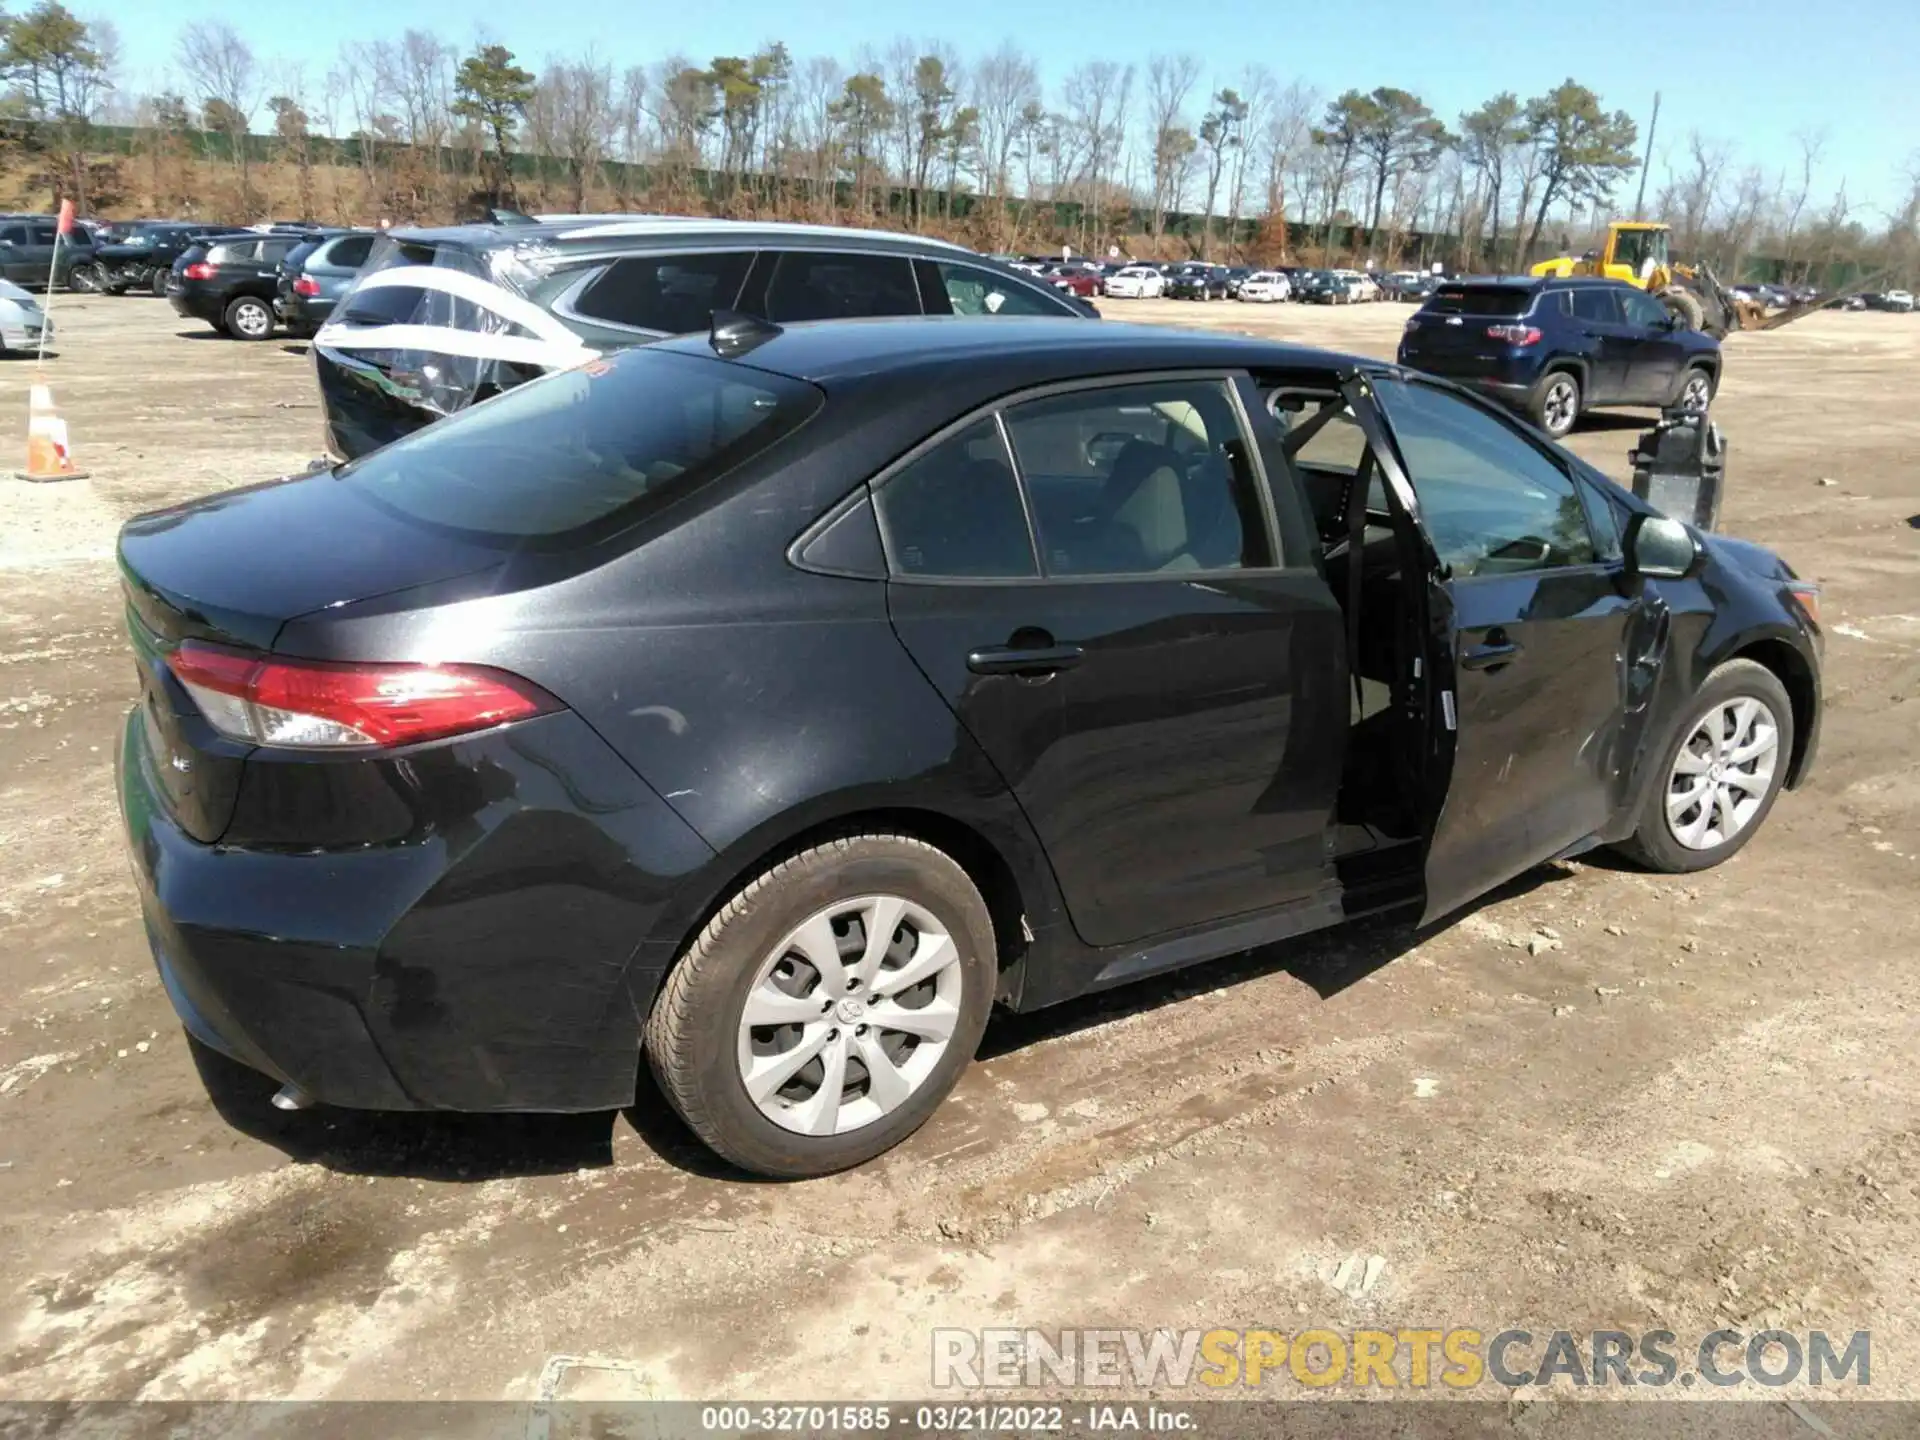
(453, 1147)
(1327, 962)
(420, 1146)
(1592, 420)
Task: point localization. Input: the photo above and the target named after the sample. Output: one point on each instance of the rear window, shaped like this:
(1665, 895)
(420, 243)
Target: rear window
(1478, 300)
(350, 252)
(583, 452)
(299, 255)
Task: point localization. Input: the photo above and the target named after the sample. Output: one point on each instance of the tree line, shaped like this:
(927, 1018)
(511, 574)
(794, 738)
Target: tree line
(910, 133)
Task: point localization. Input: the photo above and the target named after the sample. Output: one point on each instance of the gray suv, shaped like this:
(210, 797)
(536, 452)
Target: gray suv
(27, 250)
(439, 319)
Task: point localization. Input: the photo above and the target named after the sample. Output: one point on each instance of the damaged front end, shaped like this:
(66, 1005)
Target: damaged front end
(430, 327)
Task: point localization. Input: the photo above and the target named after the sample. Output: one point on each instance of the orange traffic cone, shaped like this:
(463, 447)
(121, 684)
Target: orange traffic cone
(48, 457)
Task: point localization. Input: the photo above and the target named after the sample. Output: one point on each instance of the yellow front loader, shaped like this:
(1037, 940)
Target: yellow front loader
(1636, 252)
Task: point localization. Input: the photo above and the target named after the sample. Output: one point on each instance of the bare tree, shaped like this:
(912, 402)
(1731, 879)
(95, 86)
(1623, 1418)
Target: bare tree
(221, 68)
(1170, 80)
(574, 104)
(1697, 190)
(1812, 143)
(1004, 84)
(1097, 96)
(817, 127)
(1283, 140)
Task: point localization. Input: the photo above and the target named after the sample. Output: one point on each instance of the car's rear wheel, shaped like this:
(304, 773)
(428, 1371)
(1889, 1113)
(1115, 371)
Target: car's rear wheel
(828, 1007)
(158, 284)
(84, 279)
(1555, 402)
(1720, 773)
(248, 318)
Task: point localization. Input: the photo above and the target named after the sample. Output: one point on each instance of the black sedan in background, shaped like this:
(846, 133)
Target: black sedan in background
(1200, 282)
(739, 702)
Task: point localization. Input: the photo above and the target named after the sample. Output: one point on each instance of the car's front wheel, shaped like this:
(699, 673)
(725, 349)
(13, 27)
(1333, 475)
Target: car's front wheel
(828, 1007)
(1720, 772)
(1695, 393)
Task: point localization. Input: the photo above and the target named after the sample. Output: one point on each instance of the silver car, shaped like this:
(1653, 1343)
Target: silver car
(21, 319)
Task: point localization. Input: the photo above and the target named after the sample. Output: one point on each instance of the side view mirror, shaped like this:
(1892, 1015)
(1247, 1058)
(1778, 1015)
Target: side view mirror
(1659, 547)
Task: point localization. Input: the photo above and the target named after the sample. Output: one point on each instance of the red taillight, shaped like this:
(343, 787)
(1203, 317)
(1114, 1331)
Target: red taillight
(1515, 334)
(198, 270)
(318, 704)
(306, 285)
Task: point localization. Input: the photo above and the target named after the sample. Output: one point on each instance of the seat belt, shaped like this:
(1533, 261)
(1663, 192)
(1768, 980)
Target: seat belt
(1356, 554)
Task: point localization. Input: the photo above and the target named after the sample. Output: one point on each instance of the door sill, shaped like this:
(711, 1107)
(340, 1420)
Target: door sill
(1298, 917)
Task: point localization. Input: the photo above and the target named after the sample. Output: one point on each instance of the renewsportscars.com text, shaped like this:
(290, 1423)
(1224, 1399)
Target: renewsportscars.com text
(1415, 1359)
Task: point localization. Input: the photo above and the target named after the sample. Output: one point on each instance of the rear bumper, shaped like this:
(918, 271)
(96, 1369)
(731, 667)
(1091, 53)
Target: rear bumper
(493, 959)
(302, 313)
(196, 305)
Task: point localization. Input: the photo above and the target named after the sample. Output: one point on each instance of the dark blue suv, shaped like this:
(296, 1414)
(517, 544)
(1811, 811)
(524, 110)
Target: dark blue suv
(1555, 348)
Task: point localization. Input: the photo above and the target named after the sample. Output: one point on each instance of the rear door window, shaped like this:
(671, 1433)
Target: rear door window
(671, 294)
(1140, 480)
(831, 285)
(955, 512)
(585, 451)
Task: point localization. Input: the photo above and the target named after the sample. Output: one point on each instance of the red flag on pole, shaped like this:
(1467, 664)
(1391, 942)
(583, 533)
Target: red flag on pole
(66, 217)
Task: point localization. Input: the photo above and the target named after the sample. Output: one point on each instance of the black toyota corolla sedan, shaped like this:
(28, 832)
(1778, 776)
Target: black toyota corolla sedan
(773, 703)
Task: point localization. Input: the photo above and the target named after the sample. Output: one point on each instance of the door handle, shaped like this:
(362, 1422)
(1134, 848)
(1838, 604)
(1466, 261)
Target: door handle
(1023, 660)
(1492, 653)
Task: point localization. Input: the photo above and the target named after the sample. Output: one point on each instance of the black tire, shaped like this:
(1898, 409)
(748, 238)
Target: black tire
(84, 279)
(1685, 304)
(1687, 394)
(1653, 842)
(1555, 402)
(692, 1035)
(248, 317)
(158, 285)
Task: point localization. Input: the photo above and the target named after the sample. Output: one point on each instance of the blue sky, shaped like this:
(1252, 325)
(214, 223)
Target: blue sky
(1749, 73)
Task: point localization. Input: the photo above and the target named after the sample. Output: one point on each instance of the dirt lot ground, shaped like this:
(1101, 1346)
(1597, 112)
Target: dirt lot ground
(1698, 1106)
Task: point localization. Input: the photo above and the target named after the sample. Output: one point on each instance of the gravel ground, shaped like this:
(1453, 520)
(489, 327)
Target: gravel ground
(1693, 1104)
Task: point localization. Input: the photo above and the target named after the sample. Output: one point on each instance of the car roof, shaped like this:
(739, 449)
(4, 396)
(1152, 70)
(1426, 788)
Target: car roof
(668, 230)
(1020, 349)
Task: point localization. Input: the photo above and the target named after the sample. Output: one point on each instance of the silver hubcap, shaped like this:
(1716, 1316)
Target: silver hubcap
(1563, 401)
(849, 1015)
(251, 320)
(1695, 395)
(1723, 773)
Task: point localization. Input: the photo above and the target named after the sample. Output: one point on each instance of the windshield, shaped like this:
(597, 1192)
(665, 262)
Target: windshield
(586, 451)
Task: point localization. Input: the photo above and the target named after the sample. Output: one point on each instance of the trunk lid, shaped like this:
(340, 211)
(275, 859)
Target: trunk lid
(1453, 324)
(232, 569)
